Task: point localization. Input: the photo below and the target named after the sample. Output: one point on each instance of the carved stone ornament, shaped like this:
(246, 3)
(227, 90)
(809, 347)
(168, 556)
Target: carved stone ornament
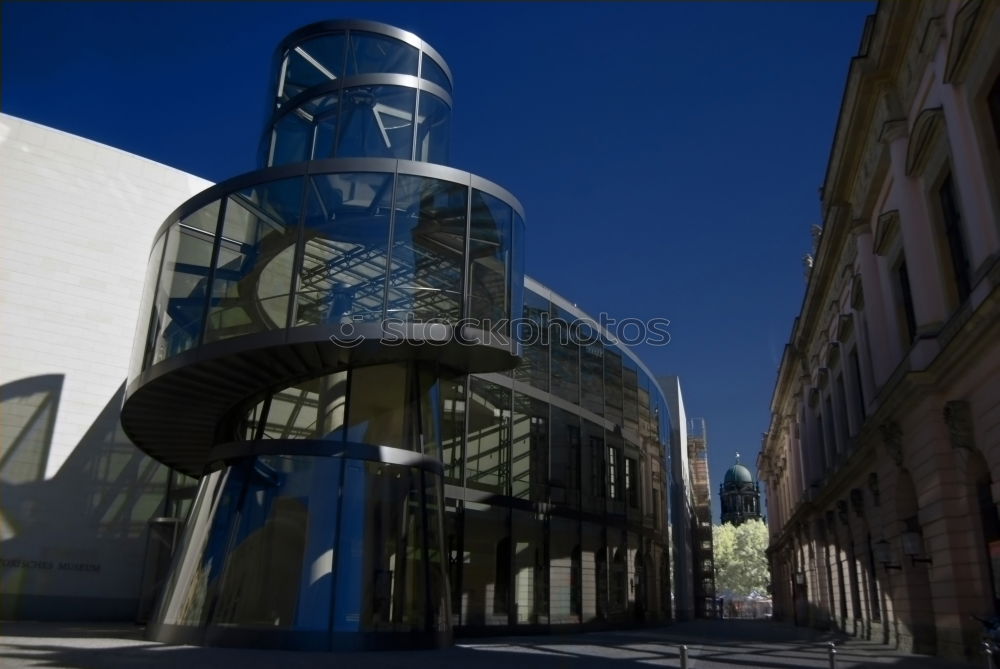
(892, 439)
(958, 418)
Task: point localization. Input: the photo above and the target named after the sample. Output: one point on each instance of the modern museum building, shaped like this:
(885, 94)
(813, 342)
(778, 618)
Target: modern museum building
(367, 427)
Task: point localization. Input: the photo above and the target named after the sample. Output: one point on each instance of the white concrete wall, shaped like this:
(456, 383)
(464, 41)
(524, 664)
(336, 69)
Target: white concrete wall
(77, 220)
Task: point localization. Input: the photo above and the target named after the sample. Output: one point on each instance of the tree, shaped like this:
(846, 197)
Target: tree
(740, 558)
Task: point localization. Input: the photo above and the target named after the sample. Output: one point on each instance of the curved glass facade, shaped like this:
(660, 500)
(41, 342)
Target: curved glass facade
(331, 247)
(384, 457)
(351, 89)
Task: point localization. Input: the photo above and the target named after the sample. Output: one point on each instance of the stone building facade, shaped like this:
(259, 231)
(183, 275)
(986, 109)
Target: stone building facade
(882, 459)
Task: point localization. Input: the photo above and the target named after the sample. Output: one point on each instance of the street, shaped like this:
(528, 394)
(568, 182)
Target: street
(712, 644)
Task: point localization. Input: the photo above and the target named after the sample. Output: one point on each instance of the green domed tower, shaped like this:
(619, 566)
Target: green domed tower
(740, 495)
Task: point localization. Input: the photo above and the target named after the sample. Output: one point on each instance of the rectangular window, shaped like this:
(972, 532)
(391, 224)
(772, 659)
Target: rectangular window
(952, 217)
(859, 389)
(906, 302)
(632, 482)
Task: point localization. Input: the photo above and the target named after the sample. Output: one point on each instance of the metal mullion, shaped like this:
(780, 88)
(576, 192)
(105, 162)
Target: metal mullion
(416, 106)
(297, 260)
(390, 244)
(146, 348)
(216, 244)
(466, 269)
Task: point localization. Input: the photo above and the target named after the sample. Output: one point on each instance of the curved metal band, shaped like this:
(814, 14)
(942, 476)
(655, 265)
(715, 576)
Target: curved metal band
(323, 27)
(377, 79)
(236, 450)
(335, 166)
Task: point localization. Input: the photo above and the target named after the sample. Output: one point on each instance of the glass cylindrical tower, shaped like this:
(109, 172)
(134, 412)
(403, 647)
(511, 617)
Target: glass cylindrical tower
(295, 326)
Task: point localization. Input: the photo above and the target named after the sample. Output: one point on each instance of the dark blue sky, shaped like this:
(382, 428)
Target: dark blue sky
(668, 155)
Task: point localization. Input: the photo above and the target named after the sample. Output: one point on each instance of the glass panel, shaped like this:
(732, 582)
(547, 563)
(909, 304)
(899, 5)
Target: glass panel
(393, 566)
(565, 357)
(630, 395)
(439, 615)
(489, 258)
(487, 564)
(429, 431)
(431, 71)
(433, 129)
(452, 427)
(342, 278)
(253, 275)
(594, 573)
(593, 468)
(530, 574)
(516, 277)
(377, 406)
(142, 344)
(613, 386)
(180, 302)
(486, 460)
(313, 62)
(618, 586)
(592, 375)
(534, 337)
(279, 570)
(565, 561)
(312, 409)
(428, 248)
(369, 52)
(616, 473)
(564, 459)
(292, 139)
(200, 556)
(376, 121)
(529, 448)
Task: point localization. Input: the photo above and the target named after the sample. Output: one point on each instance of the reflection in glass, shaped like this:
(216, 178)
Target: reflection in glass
(377, 406)
(183, 289)
(565, 560)
(312, 409)
(489, 257)
(593, 468)
(253, 273)
(565, 357)
(428, 249)
(369, 53)
(529, 448)
(311, 63)
(630, 395)
(594, 573)
(433, 129)
(431, 71)
(452, 427)
(486, 451)
(530, 573)
(346, 233)
(534, 366)
(278, 567)
(486, 572)
(142, 346)
(564, 459)
(373, 121)
(592, 377)
(613, 386)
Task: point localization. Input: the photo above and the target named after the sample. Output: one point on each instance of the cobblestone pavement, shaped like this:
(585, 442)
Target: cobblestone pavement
(711, 645)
